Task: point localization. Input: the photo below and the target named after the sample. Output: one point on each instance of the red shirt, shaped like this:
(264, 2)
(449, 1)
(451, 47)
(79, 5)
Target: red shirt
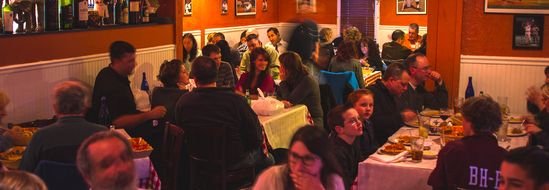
(471, 163)
(267, 85)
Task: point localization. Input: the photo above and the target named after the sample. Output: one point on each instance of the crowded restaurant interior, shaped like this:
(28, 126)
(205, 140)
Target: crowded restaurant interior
(274, 94)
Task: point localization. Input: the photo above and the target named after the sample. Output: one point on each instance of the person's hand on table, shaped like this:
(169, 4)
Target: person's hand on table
(408, 115)
(157, 112)
(287, 104)
(305, 181)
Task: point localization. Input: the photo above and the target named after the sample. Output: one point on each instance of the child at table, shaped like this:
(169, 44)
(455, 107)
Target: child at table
(472, 161)
(363, 102)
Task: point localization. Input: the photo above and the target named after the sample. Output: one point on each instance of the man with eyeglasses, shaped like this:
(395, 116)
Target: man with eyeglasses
(387, 117)
(346, 126)
(417, 97)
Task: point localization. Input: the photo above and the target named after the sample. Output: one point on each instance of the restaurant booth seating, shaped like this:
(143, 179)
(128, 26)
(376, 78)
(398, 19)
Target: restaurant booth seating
(172, 148)
(207, 153)
(60, 176)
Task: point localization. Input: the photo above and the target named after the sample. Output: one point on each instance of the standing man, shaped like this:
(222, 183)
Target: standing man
(387, 117)
(253, 42)
(71, 100)
(225, 76)
(276, 41)
(416, 97)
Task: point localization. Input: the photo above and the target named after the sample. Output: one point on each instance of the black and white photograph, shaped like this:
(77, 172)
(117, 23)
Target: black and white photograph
(188, 7)
(245, 7)
(306, 6)
(224, 7)
(528, 32)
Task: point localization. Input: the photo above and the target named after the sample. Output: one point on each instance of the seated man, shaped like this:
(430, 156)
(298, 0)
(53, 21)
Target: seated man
(412, 40)
(525, 168)
(105, 162)
(469, 162)
(417, 97)
(59, 141)
(387, 118)
(209, 105)
(393, 51)
(346, 127)
(276, 41)
(224, 70)
(253, 42)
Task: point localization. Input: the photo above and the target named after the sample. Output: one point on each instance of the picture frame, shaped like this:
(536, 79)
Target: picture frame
(411, 7)
(188, 9)
(265, 5)
(306, 6)
(245, 7)
(224, 7)
(516, 6)
(528, 32)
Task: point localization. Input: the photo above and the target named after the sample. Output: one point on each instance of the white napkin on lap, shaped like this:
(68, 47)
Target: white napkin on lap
(389, 158)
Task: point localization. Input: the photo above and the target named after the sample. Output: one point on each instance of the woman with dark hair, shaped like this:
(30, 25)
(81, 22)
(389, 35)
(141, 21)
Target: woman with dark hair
(311, 164)
(259, 75)
(345, 61)
(305, 42)
(229, 55)
(477, 152)
(423, 48)
(298, 87)
(369, 53)
(190, 50)
(175, 80)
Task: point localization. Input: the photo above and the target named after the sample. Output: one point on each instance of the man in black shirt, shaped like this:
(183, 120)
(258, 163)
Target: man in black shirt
(394, 51)
(346, 127)
(387, 117)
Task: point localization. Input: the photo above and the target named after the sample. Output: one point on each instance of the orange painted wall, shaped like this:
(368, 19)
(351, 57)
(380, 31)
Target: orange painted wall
(388, 15)
(207, 14)
(491, 34)
(326, 12)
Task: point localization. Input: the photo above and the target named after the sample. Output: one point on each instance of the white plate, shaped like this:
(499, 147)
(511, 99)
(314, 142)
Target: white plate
(510, 134)
(429, 155)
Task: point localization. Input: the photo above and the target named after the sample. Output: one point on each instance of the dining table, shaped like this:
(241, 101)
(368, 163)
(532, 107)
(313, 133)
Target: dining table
(280, 127)
(374, 174)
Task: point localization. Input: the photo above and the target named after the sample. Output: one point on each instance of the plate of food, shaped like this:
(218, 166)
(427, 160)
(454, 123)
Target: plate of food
(515, 120)
(392, 149)
(401, 139)
(414, 123)
(140, 147)
(430, 113)
(12, 157)
(429, 154)
(516, 132)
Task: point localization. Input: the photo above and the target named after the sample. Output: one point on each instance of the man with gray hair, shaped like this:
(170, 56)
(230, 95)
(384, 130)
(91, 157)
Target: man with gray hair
(59, 141)
(105, 162)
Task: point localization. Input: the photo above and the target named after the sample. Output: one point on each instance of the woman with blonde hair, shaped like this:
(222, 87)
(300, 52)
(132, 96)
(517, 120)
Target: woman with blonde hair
(20, 180)
(5, 134)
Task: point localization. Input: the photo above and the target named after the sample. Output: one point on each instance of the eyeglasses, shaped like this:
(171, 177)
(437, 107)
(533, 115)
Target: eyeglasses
(353, 121)
(307, 160)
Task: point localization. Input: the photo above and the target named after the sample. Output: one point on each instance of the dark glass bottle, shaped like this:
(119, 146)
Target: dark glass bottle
(109, 19)
(125, 12)
(145, 83)
(470, 91)
(51, 15)
(81, 14)
(67, 16)
(1, 19)
(135, 12)
(145, 12)
(118, 12)
(7, 18)
(104, 117)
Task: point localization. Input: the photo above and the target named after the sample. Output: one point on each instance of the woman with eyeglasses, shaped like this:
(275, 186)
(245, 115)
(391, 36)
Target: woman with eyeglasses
(311, 165)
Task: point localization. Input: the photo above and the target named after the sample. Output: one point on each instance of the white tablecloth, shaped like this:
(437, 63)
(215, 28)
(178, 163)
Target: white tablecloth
(407, 175)
(280, 128)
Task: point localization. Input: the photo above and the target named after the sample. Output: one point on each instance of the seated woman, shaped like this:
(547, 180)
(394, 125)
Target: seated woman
(175, 78)
(5, 134)
(538, 127)
(259, 75)
(363, 102)
(298, 86)
(370, 56)
(476, 154)
(311, 165)
(345, 61)
(190, 50)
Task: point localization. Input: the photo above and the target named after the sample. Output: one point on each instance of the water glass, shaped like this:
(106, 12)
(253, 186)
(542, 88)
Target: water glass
(416, 144)
(458, 103)
(504, 108)
(501, 134)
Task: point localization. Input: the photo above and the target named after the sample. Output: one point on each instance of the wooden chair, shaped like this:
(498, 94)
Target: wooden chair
(171, 154)
(207, 152)
(59, 175)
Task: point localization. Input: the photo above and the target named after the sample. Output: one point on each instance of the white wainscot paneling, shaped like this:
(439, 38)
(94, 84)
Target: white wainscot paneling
(29, 85)
(503, 76)
(385, 31)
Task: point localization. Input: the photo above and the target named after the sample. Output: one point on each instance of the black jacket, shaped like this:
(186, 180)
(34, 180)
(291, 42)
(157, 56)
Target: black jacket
(386, 117)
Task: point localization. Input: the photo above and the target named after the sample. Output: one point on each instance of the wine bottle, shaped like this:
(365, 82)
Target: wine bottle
(81, 14)
(8, 18)
(51, 14)
(470, 91)
(145, 12)
(67, 14)
(145, 83)
(1, 20)
(135, 12)
(109, 18)
(118, 12)
(125, 12)
(248, 97)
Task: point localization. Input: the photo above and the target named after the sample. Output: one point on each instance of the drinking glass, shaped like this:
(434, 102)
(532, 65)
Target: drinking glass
(416, 144)
(501, 134)
(503, 106)
(458, 103)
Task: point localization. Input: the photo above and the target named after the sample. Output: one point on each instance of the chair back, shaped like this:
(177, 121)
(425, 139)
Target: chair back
(60, 176)
(339, 82)
(206, 145)
(171, 154)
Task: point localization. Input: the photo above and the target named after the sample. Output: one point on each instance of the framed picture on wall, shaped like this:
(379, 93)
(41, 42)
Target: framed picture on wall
(265, 6)
(188, 7)
(245, 7)
(224, 7)
(528, 32)
(306, 6)
(410, 7)
(516, 6)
